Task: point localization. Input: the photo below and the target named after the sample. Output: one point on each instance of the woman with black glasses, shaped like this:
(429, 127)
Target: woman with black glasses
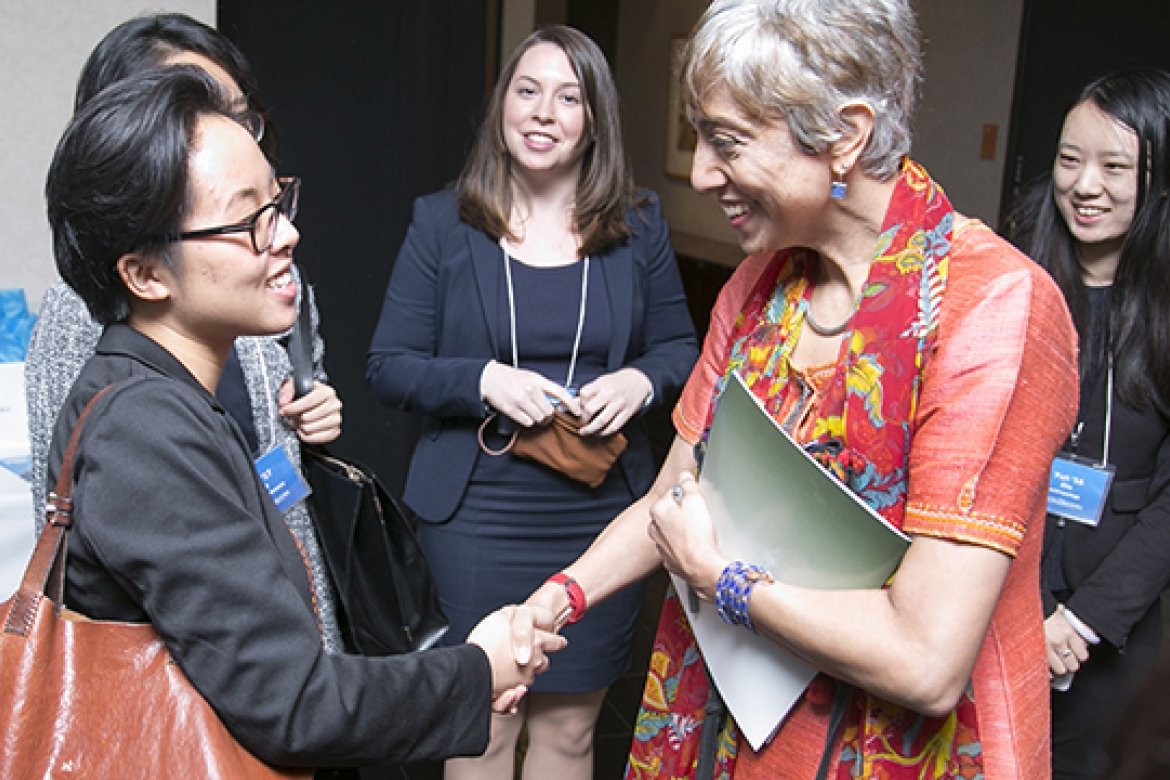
(254, 388)
(168, 222)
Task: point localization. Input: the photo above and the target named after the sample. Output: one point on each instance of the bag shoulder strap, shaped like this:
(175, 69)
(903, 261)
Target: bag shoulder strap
(45, 574)
(300, 343)
(479, 434)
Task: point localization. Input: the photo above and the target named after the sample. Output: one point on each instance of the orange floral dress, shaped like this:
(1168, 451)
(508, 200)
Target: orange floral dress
(985, 416)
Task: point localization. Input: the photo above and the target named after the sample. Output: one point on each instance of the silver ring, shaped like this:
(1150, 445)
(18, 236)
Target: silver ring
(676, 493)
(1065, 653)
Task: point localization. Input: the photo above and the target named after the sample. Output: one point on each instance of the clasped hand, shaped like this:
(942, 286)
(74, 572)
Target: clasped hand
(315, 416)
(609, 401)
(517, 641)
(606, 404)
(523, 395)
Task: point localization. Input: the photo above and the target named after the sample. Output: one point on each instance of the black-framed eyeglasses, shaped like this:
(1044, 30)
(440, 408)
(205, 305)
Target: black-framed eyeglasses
(262, 225)
(252, 121)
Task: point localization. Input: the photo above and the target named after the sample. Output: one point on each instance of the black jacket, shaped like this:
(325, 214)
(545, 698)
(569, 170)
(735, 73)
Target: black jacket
(173, 526)
(1117, 571)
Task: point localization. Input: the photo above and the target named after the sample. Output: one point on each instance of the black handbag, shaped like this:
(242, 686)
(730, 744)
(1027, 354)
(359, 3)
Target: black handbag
(389, 604)
(381, 576)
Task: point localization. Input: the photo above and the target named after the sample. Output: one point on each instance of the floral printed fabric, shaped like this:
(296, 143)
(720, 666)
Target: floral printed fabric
(862, 432)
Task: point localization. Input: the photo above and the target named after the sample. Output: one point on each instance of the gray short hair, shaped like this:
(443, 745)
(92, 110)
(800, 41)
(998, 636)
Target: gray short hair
(801, 60)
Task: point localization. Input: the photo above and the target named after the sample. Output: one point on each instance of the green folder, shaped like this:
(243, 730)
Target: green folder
(774, 506)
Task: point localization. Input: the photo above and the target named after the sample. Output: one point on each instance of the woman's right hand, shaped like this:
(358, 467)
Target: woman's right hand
(517, 641)
(522, 395)
(554, 599)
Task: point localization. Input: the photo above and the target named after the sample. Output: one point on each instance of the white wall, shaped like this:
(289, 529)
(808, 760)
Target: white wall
(645, 28)
(970, 66)
(970, 51)
(43, 44)
(518, 18)
(971, 57)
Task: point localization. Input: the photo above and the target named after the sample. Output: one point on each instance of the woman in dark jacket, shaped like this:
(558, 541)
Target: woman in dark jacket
(169, 223)
(543, 278)
(1100, 224)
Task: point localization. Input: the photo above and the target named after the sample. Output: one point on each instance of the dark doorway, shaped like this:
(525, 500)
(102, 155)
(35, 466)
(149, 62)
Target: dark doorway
(1064, 44)
(376, 103)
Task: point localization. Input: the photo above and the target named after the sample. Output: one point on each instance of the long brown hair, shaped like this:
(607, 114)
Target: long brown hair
(605, 187)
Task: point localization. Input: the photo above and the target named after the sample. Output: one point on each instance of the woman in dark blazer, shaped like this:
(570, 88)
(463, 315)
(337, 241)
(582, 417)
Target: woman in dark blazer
(543, 278)
(170, 224)
(428, 358)
(1099, 225)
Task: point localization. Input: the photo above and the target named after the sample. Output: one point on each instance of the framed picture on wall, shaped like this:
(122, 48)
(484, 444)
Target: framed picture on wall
(680, 136)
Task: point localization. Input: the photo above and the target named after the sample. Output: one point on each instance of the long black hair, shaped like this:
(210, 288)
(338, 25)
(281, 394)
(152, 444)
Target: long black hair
(1139, 316)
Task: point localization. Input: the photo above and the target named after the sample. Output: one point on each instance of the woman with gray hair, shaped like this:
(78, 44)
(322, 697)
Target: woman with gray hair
(918, 356)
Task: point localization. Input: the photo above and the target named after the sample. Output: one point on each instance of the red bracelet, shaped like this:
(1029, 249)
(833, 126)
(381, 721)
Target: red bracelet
(575, 594)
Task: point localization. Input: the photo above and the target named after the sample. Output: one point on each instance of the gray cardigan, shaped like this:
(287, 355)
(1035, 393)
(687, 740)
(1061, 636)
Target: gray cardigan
(65, 337)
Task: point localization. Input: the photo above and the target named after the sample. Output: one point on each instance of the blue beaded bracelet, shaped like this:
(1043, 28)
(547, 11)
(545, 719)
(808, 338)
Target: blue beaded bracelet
(734, 588)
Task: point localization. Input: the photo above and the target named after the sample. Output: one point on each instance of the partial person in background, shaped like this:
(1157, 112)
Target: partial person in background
(1100, 225)
(255, 388)
(542, 278)
(1139, 748)
(147, 193)
(920, 356)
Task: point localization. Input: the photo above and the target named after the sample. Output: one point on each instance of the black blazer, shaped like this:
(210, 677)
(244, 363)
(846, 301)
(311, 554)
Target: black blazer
(1117, 571)
(438, 329)
(172, 526)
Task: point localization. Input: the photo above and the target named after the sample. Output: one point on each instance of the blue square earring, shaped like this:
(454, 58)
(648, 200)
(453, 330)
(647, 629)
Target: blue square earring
(838, 190)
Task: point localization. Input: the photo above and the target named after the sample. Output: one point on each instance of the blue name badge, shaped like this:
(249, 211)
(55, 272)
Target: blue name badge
(281, 479)
(1077, 489)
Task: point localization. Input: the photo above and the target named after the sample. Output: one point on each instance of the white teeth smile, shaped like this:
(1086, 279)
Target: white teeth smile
(735, 211)
(1090, 211)
(541, 138)
(281, 281)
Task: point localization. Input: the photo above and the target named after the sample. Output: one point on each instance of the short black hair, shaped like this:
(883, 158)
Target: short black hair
(118, 180)
(146, 42)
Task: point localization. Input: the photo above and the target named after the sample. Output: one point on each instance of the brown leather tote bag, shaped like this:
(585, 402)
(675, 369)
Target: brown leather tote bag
(98, 700)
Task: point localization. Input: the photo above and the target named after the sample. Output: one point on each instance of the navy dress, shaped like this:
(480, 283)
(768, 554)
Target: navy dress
(520, 521)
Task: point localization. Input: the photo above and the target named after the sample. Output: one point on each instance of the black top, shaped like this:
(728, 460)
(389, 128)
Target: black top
(548, 307)
(232, 392)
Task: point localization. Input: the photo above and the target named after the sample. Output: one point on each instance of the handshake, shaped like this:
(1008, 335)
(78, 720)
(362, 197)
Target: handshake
(518, 641)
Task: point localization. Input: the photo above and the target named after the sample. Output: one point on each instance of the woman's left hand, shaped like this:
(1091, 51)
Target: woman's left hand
(1067, 650)
(315, 416)
(612, 399)
(681, 527)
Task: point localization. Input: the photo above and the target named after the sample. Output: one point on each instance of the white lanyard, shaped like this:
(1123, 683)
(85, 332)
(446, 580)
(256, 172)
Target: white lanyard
(1108, 415)
(1108, 411)
(512, 313)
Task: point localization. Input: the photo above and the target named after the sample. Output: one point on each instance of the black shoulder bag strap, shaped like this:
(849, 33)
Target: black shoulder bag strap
(300, 344)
